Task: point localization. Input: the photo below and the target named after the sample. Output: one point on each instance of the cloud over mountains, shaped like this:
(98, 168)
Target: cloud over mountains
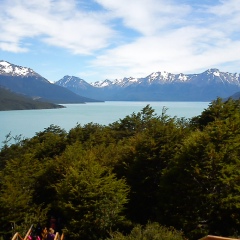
(130, 38)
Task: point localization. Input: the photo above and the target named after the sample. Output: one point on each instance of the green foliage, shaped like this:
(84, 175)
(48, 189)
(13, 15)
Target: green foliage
(205, 174)
(16, 193)
(152, 231)
(134, 123)
(218, 109)
(91, 135)
(9, 150)
(90, 196)
(49, 143)
(147, 154)
(105, 179)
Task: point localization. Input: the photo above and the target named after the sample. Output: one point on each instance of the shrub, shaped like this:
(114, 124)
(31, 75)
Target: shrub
(152, 231)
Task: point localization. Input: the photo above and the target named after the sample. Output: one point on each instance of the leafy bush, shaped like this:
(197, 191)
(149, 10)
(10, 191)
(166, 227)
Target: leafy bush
(152, 231)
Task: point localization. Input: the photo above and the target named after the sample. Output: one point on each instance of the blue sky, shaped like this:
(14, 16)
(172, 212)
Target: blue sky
(109, 39)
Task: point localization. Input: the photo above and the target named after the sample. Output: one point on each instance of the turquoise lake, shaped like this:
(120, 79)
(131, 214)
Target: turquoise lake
(27, 122)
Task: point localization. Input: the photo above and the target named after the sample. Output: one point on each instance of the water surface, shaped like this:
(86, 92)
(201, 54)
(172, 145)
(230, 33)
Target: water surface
(28, 122)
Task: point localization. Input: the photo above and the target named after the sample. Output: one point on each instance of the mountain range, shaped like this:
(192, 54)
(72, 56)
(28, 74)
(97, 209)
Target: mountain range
(25, 81)
(158, 86)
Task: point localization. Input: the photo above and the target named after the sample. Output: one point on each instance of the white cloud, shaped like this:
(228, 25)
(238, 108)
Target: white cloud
(208, 40)
(12, 47)
(172, 35)
(227, 16)
(146, 16)
(226, 7)
(58, 23)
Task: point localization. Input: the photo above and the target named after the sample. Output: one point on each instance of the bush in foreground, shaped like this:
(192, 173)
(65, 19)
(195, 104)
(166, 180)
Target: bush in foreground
(152, 231)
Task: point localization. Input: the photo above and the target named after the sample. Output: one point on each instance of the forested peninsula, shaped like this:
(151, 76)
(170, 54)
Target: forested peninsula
(12, 101)
(146, 176)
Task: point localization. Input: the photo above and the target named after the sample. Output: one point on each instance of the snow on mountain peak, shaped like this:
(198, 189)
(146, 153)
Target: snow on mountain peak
(105, 83)
(156, 75)
(101, 84)
(216, 73)
(14, 70)
(213, 71)
(6, 64)
(131, 79)
(182, 77)
(160, 77)
(71, 79)
(22, 71)
(5, 67)
(164, 75)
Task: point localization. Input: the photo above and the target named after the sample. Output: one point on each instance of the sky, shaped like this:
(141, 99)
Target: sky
(112, 39)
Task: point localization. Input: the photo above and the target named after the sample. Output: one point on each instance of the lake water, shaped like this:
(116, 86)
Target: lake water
(28, 122)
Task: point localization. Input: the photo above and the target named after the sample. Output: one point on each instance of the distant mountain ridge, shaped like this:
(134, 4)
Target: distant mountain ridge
(159, 86)
(25, 81)
(168, 78)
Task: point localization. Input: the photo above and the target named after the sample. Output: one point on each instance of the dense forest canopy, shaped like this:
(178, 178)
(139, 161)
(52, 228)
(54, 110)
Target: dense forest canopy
(146, 176)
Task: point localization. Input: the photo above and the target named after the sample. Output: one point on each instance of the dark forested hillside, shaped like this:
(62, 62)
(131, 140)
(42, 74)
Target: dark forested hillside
(235, 96)
(13, 101)
(145, 176)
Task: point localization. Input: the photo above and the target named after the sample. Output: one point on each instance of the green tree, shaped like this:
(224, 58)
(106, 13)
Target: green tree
(217, 110)
(91, 135)
(25, 178)
(48, 143)
(146, 154)
(16, 193)
(201, 187)
(91, 197)
(134, 123)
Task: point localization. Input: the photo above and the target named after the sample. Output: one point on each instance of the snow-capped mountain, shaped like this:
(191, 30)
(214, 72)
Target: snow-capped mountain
(157, 86)
(74, 82)
(156, 77)
(209, 76)
(25, 81)
(76, 85)
(8, 69)
(124, 82)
